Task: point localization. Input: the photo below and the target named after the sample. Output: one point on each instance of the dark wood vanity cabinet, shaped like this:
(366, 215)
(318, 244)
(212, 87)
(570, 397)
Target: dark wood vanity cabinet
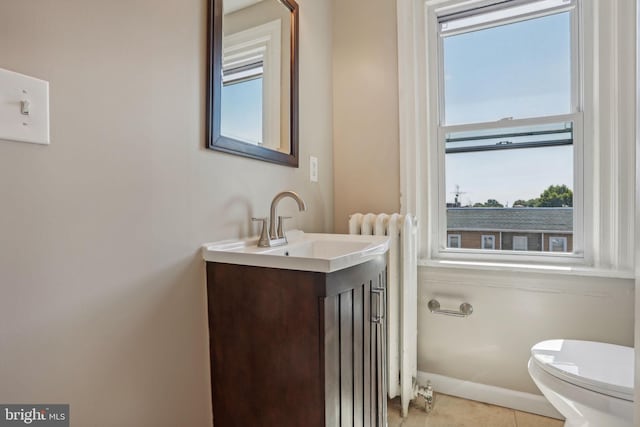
(294, 348)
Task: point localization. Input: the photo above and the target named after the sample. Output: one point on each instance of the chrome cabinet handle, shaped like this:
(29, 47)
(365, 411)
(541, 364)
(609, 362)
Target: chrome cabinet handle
(379, 314)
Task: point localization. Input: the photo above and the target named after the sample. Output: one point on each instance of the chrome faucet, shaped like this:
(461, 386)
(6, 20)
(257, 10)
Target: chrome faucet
(275, 236)
(279, 233)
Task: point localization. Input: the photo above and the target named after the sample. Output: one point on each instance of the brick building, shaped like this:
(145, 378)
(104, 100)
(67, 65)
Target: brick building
(524, 229)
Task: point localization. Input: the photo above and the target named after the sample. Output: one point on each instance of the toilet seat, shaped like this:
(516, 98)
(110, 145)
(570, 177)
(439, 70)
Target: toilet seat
(599, 367)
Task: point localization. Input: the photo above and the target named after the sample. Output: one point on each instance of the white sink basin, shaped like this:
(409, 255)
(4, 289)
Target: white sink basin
(305, 251)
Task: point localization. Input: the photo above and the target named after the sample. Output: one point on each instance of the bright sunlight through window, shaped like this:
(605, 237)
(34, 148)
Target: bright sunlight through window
(509, 125)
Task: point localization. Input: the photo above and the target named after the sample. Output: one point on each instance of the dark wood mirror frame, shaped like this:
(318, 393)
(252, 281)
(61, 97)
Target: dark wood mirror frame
(216, 141)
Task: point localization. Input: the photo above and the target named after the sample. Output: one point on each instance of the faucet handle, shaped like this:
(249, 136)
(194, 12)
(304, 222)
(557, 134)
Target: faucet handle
(264, 236)
(281, 219)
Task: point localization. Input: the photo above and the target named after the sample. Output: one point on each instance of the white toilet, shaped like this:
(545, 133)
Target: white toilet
(590, 383)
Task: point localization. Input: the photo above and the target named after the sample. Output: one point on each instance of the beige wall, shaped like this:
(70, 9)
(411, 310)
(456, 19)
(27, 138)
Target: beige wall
(365, 109)
(512, 310)
(102, 283)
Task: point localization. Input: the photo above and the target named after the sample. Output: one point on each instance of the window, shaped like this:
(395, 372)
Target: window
(512, 68)
(520, 243)
(453, 240)
(488, 242)
(508, 106)
(468, 141)
(241, 103)
(557, 244)
(250, 98)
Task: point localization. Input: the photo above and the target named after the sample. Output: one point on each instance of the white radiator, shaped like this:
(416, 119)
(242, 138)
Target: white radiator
(402, 297)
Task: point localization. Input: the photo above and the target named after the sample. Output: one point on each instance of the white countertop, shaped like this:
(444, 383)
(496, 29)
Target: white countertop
(305, 251)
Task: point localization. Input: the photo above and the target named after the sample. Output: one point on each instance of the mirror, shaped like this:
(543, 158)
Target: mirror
(252, 105)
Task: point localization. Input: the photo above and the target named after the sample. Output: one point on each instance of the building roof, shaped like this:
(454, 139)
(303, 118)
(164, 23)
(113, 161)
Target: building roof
(508, 219)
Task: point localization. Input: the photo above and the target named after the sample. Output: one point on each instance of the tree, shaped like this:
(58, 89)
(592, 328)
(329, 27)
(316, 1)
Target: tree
(555, 196)
(525, 203)
(491, 203)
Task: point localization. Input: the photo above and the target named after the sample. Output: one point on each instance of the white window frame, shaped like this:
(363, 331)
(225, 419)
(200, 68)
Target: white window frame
(521, 239)
(605, 191)
(564, 243)
(261, 43)
(449, 236)
(575, 116)
(490, 237)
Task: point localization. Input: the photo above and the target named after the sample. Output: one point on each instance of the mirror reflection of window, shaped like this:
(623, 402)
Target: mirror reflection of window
(255, 62)
(242, 103)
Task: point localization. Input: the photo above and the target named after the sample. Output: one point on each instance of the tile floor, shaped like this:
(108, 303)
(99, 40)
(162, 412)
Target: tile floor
(449, 411)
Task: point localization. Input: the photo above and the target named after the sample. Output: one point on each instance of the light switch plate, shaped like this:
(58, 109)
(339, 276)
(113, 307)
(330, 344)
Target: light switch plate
(313, 169)
(24, 108)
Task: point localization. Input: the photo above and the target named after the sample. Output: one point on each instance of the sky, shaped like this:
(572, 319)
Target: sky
(241, 111)
(519, 70)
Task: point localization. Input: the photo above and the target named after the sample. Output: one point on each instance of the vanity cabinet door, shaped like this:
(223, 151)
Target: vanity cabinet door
(265, 346)
(297, 349)
(355, 356)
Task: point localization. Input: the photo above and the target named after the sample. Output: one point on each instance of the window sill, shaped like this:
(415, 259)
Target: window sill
(569, 270)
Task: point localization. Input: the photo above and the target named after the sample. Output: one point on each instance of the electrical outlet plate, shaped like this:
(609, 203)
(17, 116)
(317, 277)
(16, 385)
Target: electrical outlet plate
(24, 108)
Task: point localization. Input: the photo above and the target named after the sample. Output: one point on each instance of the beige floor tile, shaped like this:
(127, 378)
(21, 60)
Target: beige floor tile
(449, 411)
(415, 419)
(524, 419)
(394, 418)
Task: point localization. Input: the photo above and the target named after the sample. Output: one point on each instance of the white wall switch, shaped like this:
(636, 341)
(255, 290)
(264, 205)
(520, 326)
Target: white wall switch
(313, 169)
(24, 108)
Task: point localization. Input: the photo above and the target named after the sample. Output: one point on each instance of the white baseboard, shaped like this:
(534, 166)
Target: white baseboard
(526, 402)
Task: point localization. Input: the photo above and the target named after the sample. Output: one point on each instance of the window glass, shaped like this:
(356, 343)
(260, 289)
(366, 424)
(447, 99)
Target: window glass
(496, 13)
(488, 242)
(517, 70)
(519, 243)
(558, 244)
(241, 110)
(453, 240)
(497, 138)
(502, 168)
(510, 178)
(506, 176)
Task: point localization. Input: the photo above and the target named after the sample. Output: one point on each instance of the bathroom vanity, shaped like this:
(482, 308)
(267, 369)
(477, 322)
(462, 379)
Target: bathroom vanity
(301, 348)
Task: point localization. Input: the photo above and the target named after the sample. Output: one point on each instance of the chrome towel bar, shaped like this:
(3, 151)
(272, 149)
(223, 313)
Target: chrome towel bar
(465, 309)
